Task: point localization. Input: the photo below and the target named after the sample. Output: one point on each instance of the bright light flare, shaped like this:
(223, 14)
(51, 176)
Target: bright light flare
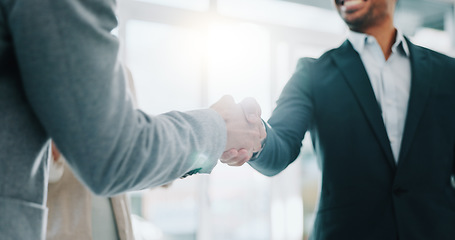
(238, 61)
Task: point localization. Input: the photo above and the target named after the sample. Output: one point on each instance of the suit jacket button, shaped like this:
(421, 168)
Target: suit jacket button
(398, 191)
(452, 181)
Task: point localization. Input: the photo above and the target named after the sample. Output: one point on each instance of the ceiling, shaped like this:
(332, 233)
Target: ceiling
(410, 14)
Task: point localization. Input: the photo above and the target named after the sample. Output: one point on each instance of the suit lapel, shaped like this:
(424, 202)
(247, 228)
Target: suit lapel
(420, 89)
(353, 70)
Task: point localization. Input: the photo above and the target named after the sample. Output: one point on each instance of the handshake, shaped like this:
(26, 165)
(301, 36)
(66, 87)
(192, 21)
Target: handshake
(245, 130)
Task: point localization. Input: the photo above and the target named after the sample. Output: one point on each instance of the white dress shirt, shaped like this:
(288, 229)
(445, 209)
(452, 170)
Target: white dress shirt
(390, 79)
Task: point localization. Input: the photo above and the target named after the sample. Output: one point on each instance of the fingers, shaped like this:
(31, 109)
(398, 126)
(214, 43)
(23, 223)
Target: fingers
(228, 155)
(236, 158)
(257, 146)
(244, 127)
(262, 132)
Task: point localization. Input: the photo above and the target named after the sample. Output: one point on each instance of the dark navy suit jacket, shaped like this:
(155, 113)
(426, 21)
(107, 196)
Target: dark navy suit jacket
(365, 194)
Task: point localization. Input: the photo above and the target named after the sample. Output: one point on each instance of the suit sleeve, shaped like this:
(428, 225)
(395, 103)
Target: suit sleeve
(72, 77)
(286, 127)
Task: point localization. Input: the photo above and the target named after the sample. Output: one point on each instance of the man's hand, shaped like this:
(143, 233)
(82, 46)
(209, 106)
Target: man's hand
(245, 129)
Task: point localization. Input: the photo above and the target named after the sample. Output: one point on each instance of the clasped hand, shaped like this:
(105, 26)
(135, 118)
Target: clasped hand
(245, 130)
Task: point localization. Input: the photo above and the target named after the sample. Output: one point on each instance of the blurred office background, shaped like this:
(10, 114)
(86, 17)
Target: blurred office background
(186, 54)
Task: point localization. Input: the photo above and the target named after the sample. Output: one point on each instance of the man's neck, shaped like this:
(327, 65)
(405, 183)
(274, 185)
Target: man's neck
(385, 35)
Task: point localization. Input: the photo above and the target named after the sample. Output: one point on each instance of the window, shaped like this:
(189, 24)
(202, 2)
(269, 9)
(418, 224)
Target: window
(187, 54)
(198, 5)
(166, 63)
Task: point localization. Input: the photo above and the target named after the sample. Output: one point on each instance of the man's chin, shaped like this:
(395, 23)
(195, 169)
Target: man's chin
(357, 25)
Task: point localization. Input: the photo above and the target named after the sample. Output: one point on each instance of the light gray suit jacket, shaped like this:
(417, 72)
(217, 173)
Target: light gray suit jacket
(60, 77)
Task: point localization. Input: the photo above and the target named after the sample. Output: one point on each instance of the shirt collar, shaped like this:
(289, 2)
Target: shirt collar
(358, 41)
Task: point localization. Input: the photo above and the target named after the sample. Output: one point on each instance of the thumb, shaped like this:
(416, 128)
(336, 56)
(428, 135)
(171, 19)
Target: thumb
(224, 105)
(251, 109)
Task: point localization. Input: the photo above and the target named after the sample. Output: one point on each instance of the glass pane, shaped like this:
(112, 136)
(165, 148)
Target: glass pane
(239, 204)
(198, 5)
(175, 209)
(239, 64)
(305, 167)
(437, 40)
(284, 13)
(166, 63)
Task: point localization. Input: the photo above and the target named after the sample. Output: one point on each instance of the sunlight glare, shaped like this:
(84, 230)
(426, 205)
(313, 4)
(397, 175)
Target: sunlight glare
(238, 61)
